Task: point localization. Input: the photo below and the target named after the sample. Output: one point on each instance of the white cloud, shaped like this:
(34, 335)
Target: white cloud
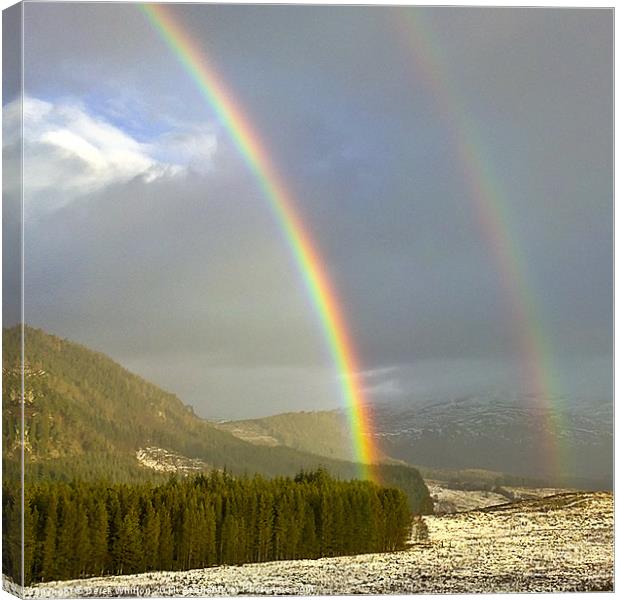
(389, 387)
(194, 147)
(69, 152)
(380, 381)
(374, 373)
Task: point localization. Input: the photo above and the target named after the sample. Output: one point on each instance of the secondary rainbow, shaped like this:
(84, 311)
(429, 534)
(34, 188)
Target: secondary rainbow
(306, 255)
(493, 213)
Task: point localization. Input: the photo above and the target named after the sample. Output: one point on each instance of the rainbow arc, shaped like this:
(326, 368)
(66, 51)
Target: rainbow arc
(303, 248)
(492, 209)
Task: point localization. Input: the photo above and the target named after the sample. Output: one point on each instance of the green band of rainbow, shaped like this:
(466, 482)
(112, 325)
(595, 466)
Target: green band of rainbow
(305, 253)
(493, 212)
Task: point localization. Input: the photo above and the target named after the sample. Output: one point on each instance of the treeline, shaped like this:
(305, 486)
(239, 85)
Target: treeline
(78, 529)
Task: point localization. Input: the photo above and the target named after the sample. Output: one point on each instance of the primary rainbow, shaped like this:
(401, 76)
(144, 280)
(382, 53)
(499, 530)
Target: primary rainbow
(492, 210)
(303, 248)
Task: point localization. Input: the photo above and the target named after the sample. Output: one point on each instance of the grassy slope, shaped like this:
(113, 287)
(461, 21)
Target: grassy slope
(322, 432)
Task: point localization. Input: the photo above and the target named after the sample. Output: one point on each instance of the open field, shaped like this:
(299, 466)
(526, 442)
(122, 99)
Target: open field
(559, 543)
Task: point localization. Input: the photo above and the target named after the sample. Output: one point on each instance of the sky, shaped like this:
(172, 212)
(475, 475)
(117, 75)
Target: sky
(148, 237)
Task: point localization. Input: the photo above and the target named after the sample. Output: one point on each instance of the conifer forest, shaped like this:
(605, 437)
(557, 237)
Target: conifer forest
(75, 530)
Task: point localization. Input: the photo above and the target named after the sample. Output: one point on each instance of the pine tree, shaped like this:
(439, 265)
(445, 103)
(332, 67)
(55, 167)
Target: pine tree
(12, 543)
(264, 526)
(150, 537)
(81, 544)
(115, 521)
(209, 536)
(186, 555)
(326, 526)
(309, 536)
(166, 542)
(31, 522)
(229, 540)
(48, 547)
(128, 547)
(65, 556)
(99, 539)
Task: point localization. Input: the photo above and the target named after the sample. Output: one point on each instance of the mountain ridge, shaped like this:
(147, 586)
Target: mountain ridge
(498, 436)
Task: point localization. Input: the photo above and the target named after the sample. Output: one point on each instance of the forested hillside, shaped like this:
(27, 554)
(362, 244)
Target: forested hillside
(86, 417)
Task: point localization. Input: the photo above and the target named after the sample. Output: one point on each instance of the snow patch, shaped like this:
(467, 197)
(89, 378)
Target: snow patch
(160, 459)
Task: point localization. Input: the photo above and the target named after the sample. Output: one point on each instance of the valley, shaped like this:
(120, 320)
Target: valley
(492, 530)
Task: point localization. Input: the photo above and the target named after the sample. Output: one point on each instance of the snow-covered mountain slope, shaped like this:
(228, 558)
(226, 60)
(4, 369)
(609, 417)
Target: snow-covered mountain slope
(559, 439)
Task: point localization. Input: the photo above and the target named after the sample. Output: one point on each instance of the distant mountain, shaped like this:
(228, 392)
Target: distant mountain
(563, 442)
(88, 417)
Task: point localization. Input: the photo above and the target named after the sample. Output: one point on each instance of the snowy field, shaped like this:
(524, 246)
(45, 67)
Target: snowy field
(449, 500)
(561, 543)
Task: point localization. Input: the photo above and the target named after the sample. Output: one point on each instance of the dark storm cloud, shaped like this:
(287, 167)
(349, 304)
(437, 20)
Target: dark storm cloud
(187, 277)
(189, 264)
